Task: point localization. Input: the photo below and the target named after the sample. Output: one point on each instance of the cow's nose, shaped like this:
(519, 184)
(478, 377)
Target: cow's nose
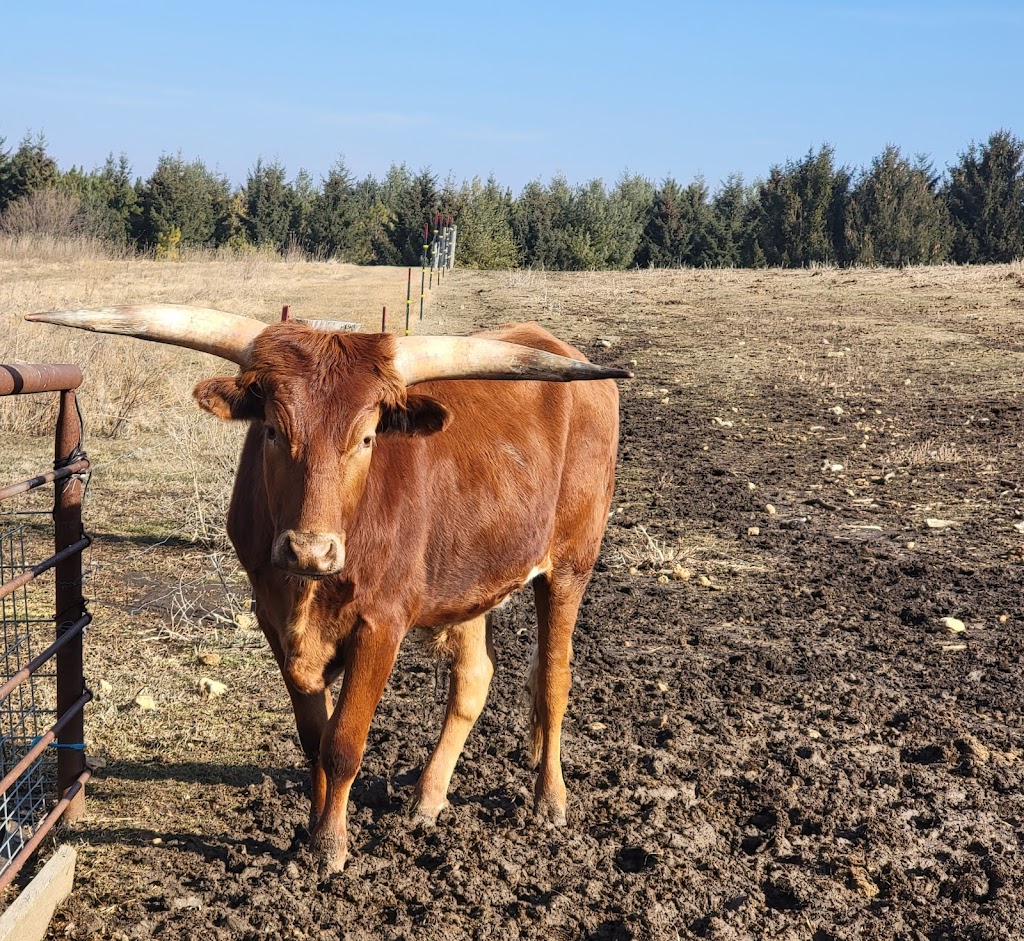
(309, 553)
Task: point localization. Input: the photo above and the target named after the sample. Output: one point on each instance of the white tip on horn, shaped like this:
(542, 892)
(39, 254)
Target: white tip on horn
(228, 336)
(420, 359)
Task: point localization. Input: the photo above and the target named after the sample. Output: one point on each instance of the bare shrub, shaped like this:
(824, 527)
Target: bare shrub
(48, 212)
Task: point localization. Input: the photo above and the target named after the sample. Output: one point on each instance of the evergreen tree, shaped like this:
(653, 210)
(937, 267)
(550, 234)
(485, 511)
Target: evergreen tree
(683, 228)
(410, 201)
(189, 199)
(731, 207)
(372, 230)
(484, 216)
(800, 211)
(332, 223)
(895, 216)
(107, 197)
(985, 197)
(304, 195)
(533, 220)
(28, 169)
(269, 202)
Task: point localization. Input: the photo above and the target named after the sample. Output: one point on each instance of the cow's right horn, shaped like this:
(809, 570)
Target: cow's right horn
(228, 336)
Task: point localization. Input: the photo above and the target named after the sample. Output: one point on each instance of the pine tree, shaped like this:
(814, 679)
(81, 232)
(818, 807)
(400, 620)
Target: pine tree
(189, 198)
(683, 228)
(985, 197)
(484, 215)
(731, 207)
(29, 169)
(800, 211)
(534, 220)
(895, 216)
(332, 222)
(269, 201)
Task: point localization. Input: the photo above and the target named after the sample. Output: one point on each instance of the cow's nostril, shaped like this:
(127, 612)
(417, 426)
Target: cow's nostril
(309, 553)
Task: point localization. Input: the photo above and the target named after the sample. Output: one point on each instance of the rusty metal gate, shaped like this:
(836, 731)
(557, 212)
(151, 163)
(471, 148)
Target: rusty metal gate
(43, 694)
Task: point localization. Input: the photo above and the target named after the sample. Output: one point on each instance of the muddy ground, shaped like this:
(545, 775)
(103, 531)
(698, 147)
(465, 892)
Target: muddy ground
(772, 732)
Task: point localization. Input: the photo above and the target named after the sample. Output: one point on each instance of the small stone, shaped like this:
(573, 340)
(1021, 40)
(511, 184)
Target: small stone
(935, 523)
(601, 341)
(1019, 527)
(681, 574)
(157, 841)
(105, 689)
(145, 702)
(212, 688)
(291, 870)
(705, 582)
(597, 727)
(95, 762)
(1003, 618)
(911, 544)
(770, 509)
(210, 659)
(245, 621)
(753, 530)
(186, 901)
(751, 486)
(662, 579)
(953, 625)
(662, 687)
(837, 410)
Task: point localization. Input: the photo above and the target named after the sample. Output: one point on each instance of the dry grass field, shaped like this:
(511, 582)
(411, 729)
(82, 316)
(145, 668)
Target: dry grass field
(771, 735)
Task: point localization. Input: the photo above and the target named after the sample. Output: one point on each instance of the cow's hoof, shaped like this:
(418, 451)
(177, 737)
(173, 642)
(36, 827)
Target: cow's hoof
(329, 855)
(549, 812)
(425, 813)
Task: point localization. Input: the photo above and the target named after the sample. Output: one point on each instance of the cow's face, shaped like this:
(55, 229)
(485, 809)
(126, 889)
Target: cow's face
(320, 401)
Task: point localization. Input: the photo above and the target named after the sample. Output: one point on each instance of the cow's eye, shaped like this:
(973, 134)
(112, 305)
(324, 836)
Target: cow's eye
(367, 441)
(271, 433)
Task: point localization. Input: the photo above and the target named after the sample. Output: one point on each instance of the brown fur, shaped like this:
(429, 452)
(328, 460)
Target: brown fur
(467, 488)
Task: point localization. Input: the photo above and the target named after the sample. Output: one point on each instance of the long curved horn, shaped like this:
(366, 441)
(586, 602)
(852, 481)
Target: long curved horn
(420, 359)
(228, 336)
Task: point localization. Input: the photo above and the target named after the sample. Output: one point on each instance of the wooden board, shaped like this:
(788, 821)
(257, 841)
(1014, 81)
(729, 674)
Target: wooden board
(29, 914)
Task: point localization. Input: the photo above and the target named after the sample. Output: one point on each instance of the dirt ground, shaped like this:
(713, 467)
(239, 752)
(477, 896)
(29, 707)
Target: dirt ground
(772, 733)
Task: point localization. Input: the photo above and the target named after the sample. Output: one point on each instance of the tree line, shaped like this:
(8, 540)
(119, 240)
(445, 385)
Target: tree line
(806, 211)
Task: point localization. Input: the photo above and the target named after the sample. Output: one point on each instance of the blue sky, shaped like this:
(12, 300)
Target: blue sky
(523, 90)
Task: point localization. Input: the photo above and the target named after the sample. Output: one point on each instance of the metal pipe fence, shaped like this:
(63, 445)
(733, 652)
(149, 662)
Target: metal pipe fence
(42, 689)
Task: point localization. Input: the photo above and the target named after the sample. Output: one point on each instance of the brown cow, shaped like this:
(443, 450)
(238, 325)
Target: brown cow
(362, 510)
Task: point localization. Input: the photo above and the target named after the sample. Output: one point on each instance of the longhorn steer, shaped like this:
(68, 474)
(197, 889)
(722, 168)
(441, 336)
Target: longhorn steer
(363, 509)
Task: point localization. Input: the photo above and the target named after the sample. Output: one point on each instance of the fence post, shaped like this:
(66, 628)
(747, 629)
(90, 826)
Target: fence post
(67, 520)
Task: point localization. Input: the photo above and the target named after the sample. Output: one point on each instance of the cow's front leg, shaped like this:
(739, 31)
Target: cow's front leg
(369, 656)
(311, 714)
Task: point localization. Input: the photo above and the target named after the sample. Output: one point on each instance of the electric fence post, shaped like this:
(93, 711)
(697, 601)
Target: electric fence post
(384, 319)
(408, 300)
(423, 267)
(433, 253)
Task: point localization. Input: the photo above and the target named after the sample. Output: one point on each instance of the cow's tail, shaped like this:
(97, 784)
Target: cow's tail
(533, 688)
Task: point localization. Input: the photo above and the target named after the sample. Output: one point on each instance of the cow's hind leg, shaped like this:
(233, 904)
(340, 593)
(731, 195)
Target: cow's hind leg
(558, 597)
(472, 653)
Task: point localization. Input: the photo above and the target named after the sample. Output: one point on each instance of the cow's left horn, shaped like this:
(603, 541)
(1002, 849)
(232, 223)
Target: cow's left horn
(228, 336)
(420, 359)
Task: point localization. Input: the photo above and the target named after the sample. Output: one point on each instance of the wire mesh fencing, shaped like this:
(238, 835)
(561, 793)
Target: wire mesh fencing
(43, 617)
(30, 708)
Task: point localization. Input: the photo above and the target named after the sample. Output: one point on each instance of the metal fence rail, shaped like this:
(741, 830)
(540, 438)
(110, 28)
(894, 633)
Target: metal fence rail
(42, 690)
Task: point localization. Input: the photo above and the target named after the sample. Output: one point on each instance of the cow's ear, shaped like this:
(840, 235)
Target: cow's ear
(422, 415)
(224, 398)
